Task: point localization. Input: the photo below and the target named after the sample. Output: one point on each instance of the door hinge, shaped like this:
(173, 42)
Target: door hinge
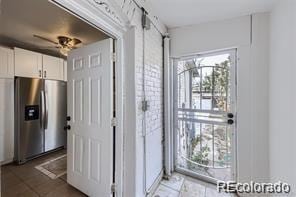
(114, 122)
(114, 57)
(113, 188)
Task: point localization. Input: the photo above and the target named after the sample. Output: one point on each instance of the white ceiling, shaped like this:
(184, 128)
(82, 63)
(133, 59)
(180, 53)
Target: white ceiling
(176, 13)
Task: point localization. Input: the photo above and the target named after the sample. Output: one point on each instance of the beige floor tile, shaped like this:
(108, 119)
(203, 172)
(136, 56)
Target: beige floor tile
(43, 159)
(64, 177)
(28, 193)
(5, 169)
(55, 167)
(175, 182)
(15, 190)
(37, 180)
(210, 192)
(200, 182)
(26, 181)
(164, 191)
(27, 173)
(48, 186)
(65, 191)
(192, 189)
(8, 180)
(13, 166)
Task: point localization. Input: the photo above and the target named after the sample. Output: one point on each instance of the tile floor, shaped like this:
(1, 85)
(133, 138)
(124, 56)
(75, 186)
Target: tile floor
(184, 186)
(26, 181)
(54, 168)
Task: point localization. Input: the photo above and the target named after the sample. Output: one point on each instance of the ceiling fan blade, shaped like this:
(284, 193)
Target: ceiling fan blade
(50, 47)
(46, 39)
(73, 47)
(75, 41)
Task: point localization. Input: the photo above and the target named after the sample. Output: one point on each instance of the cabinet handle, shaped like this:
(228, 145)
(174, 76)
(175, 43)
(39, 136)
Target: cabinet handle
(45, 74)
(40, 73)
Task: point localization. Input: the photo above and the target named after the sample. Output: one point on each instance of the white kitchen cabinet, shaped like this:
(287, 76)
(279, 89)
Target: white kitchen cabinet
(65, 71)
(27, 63)
(6, 63)
(37, 65)
(6, 120)
(53, 67)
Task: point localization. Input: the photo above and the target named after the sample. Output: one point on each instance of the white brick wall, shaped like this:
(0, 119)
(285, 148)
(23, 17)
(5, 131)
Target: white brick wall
(154, 96)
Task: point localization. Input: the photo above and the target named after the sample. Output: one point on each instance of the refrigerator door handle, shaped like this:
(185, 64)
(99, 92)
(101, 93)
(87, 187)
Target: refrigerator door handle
(42, 109)
(46, 110)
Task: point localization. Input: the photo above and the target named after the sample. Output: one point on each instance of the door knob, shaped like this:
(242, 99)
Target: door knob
(230, 115)
(68, 118)
(230, 121)
(68, 127)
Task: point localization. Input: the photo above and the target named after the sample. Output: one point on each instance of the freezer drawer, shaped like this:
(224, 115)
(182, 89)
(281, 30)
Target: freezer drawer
(55, 114)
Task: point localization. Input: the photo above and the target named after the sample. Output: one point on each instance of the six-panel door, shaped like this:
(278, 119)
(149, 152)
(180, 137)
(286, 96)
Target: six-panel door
(90, 138)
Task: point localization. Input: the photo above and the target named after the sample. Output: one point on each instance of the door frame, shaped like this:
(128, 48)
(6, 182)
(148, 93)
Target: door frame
(116, 30)
(173, 61)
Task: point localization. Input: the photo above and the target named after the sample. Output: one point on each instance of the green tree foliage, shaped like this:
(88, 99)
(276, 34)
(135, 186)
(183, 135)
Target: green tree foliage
(202, 156)
(217, 82)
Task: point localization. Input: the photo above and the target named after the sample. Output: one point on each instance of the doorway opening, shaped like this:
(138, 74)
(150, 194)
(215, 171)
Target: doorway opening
(51, 46)
(204, 116)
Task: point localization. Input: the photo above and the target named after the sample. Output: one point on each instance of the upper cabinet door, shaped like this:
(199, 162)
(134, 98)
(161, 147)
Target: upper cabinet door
(53, 68)
(65, 71)
(6, 63)
(27, 63)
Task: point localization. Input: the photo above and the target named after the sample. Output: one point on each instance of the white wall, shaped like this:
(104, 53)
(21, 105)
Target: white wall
(154, 95)
(6, 120)
(252, 75)
(6, 105)
(135, 168)
(258, 84)
(283, 93)
(154, 116)
(210, 36)
(130, 151)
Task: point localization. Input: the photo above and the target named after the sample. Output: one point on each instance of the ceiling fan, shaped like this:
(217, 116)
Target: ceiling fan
(63, 43)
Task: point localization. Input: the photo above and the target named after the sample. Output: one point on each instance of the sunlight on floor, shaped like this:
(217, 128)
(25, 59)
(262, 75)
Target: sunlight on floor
(183, 186)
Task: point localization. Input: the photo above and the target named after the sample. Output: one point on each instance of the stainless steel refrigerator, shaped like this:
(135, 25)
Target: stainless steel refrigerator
(40, 117)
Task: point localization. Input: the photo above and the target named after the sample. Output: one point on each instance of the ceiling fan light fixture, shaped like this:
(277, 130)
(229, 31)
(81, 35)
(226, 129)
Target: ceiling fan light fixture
(64, 50)
(64, 43)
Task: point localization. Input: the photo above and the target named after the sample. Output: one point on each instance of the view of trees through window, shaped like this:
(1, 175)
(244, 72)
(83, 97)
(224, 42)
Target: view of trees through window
(204, 140)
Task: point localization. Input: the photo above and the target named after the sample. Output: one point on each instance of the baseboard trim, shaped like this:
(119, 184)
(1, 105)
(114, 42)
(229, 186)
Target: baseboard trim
(8, 161)
(155, 184)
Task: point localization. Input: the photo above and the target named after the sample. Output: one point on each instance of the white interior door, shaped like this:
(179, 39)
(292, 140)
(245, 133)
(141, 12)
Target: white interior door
(90, 138)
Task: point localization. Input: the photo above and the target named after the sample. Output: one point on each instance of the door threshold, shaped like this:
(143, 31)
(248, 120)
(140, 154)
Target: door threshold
(197, 176)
